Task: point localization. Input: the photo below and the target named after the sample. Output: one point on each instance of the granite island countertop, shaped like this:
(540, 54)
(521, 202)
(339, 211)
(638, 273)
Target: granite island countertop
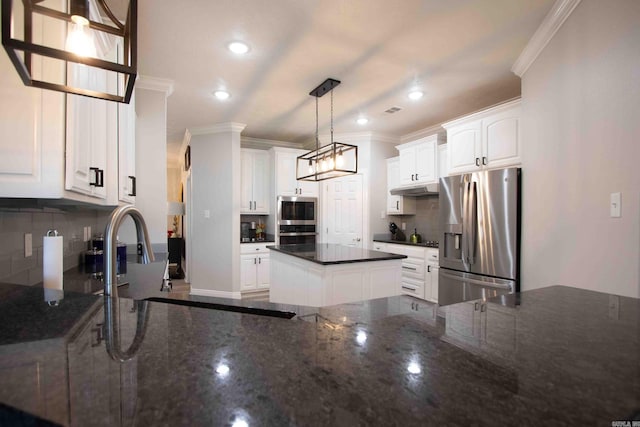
(558, 355)
(329, 254)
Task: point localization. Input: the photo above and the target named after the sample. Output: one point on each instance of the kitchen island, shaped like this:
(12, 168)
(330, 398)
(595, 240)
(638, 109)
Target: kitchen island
(567, 357)
(327, 274)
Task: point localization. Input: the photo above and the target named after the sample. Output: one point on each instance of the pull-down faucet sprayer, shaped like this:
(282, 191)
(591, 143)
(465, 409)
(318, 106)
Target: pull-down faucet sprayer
(110, 245)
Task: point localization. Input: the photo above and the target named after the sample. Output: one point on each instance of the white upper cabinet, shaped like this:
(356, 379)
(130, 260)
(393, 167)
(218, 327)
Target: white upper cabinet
(485, 140)
(397, 205)
(254, 182)
(419, 161)
(286, 184)
(127, 152)
(443, 160)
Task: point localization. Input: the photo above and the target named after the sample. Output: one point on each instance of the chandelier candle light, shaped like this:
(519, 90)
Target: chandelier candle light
(333, 160)
(33, 34)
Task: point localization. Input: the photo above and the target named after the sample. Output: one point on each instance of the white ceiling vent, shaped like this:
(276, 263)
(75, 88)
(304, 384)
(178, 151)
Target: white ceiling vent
(393, 110)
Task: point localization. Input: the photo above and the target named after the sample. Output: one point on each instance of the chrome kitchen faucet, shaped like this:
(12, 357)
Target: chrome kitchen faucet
(110, 244)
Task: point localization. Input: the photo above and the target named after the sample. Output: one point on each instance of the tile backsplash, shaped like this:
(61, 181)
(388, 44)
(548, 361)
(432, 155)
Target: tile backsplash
(15, 223)
(426, 219)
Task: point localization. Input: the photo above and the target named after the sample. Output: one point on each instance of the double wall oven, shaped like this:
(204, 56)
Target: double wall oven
(297, 220)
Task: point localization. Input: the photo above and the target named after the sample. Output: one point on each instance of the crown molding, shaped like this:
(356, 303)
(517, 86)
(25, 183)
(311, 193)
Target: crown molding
(482, 113)
(431, 130)
(543, 35)
(265, 144)
(218, 128)
(155, 83)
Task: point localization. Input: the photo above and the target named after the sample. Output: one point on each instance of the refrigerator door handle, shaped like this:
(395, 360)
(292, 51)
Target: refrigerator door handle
(465, 225)
(476, 282)
(473, 222)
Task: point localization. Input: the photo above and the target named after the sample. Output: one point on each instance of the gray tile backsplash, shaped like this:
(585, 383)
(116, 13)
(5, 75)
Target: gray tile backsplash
(425, 220)
(14, 223)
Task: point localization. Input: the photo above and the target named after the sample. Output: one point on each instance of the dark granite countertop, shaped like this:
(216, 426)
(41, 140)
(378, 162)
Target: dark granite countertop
(552, 356)
(387, 239)
(328, 254)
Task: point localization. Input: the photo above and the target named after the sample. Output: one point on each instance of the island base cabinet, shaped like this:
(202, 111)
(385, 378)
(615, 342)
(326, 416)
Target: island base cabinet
(300, 282)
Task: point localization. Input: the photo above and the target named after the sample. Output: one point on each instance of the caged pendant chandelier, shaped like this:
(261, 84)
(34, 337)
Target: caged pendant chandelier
(333, 160)
(66, 46)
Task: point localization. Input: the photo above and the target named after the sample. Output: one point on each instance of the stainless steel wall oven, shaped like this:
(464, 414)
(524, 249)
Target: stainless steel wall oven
(296, 220)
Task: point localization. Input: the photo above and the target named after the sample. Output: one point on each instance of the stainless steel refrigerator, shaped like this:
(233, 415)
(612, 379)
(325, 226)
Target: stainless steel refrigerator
(480, 246)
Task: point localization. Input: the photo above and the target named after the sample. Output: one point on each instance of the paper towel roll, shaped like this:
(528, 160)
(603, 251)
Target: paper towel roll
(52, 253)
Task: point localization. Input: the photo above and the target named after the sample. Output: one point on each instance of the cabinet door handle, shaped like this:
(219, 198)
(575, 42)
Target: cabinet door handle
(254, 261)
(98, 177)
(412, 177)
(300, 191)
(483, 308)
(484, 160)
(478, 161)
(416, 177)
(397, 205)
(409, 268)
(475, 307)
(259, 260)
(133, 185)
(428, 269)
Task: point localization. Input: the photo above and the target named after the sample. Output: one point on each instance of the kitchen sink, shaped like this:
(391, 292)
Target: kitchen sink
(225, 307)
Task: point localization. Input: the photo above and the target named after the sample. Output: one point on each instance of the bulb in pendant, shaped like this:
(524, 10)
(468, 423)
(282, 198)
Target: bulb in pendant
(310, 166)
(323, 164)
(330, 162)
(339, 159)
(79, 39)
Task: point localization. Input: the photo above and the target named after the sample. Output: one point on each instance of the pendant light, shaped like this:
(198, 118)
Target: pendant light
(333, 160)
(24, 25)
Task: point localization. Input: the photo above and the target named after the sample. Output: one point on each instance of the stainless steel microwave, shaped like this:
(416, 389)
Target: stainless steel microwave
(293, 210)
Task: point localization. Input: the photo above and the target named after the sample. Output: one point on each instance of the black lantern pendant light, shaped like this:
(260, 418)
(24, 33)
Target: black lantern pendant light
(34, 37)
(333, 160)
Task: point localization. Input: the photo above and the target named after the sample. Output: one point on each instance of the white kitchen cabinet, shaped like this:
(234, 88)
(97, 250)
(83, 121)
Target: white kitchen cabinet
(254, 182)
(127, 151)
(379, 246)
(431, 278)
(397, 205)
(285, 162)
(254, 267)
(485, 140)
(419, 160)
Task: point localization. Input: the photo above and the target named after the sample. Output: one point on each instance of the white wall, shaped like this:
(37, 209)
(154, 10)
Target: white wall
(151, 168)
(215, 242)
(581, 109)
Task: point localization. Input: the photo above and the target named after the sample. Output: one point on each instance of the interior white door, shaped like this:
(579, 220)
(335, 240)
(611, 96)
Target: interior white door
(344, 223)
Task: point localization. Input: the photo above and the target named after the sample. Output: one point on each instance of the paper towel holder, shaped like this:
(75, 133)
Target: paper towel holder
(52, 299)
(55, 233)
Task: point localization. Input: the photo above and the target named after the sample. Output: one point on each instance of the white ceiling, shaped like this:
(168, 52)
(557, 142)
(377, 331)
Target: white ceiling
(459, 52)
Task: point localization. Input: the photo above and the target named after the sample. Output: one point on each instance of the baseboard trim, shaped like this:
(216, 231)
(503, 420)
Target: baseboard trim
(215, 293)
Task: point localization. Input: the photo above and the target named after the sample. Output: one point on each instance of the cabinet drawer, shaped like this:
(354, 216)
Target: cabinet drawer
(254, 248)
(380, 247)
(396, 249)
(415, 252)
(412, 287)
(413, 268)
(433, 256)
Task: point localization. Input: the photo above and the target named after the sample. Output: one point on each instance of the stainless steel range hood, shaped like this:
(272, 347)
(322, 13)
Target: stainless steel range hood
(430, 189)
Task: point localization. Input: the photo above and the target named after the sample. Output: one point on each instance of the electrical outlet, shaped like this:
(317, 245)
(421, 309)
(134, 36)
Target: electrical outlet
(383, 214)
(89, 233)
(84, 234)
(28, 245)
(403, 226)
(207, 213)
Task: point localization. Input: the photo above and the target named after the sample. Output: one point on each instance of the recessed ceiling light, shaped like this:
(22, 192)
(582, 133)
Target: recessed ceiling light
(222, 94)
(362, 121)
(238, 47)
(415, 94)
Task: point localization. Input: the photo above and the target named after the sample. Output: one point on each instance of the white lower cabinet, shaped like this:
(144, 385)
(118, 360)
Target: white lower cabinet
(254, 267)
(419, 269)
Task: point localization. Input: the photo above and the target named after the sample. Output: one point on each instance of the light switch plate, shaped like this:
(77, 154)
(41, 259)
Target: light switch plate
(88, 233)
(207, 213)
(615, 205)
(28, 245)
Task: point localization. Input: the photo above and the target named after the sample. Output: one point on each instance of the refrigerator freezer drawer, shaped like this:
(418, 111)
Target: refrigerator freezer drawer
(455, 287)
